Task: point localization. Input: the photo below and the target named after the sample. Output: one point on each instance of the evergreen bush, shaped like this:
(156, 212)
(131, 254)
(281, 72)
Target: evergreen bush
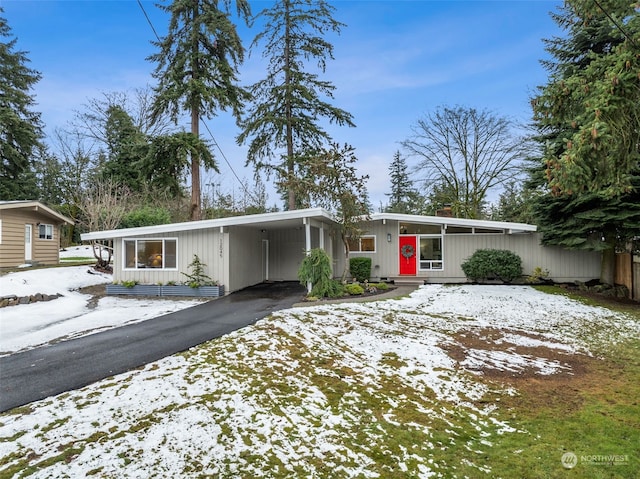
(493, 264)
(360, 268)
(197, 277)
(354, 289)
(316, 269)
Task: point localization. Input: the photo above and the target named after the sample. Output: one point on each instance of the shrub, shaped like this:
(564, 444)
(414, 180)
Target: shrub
(146, 216)
(538, 275)
(491, 264)
(316, 269)
(360, 268)
(382, 286)
(197, 277)
(354, 289)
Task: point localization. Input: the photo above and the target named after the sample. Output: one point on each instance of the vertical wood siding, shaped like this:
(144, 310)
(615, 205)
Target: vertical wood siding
(563, 265)
(204, 243)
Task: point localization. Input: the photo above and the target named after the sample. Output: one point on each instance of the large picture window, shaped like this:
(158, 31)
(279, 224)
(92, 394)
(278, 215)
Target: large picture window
(431, 252)
(364, 244)
(150, 253)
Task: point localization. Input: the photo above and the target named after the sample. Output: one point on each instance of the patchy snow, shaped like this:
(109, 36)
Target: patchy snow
(321, 391)
(72, 315)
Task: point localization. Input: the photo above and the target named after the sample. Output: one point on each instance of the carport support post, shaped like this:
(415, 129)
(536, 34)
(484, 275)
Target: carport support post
(307, 245)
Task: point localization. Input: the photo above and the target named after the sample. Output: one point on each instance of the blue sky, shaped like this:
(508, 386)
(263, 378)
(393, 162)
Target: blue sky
(394, 62)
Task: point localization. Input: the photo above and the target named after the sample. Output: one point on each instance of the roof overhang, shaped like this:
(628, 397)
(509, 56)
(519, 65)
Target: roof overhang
(440, 220)
(37, 207)
(279, 220)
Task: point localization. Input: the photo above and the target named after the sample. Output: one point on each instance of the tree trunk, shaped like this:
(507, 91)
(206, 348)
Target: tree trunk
(608, 261)
(345, 241)
(196, 211)
(291, 196)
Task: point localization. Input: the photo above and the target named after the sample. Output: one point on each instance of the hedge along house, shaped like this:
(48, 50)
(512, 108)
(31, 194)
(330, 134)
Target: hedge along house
(29, 233)
(431, 249)
(239, 251)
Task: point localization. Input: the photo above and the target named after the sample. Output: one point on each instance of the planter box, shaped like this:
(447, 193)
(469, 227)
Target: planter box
(183, 290)
(137, 290)
(176, 290)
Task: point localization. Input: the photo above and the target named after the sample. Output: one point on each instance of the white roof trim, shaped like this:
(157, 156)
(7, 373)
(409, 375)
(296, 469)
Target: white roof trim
(205, 224)
(441, 220)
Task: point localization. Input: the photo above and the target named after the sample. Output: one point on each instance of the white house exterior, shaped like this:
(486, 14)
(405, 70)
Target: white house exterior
(246, 250)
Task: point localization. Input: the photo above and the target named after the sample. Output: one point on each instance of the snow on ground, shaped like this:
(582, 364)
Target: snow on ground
(341, 390)
(73, 314)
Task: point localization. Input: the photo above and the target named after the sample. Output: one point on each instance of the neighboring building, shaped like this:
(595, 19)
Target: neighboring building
(29, 233)
(246, 250)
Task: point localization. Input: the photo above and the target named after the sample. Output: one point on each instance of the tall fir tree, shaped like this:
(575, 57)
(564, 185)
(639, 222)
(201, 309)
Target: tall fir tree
(588, 121)
(197, 70)
(404, 198)
(282, 125)
(127, 146)
(20, 126)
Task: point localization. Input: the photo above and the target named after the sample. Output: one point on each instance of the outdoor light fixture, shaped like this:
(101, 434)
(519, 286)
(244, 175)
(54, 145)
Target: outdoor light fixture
(389, 237)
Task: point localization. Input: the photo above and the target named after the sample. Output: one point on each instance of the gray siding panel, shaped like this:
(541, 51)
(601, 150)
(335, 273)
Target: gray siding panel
(563, 265)
(204, 243)
(245, 257)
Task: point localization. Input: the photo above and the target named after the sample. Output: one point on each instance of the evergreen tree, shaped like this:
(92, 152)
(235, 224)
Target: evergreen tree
(197, 70)
(588, 119)
(329, 179)
(515, 204)
(126, 147)
(404, 198)
(20, 126)
(283, 122)
(166, 164)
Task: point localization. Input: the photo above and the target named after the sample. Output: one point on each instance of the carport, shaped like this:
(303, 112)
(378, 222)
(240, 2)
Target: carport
(239, 251)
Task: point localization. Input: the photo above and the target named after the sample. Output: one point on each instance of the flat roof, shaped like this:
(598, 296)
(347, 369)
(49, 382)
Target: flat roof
(469, 223)
(281, 219)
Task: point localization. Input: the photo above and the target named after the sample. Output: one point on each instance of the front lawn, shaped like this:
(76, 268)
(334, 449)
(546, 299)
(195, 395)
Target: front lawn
(454, 381)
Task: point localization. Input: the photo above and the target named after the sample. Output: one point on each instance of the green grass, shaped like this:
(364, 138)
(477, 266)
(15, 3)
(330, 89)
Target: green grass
(597, 413)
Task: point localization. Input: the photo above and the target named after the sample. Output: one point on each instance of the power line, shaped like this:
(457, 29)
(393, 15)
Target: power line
(618, 26)
(201, 120)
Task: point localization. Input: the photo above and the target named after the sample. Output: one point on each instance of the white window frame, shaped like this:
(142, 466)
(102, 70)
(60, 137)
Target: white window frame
(359, 250)
(431, 261)
(137, 268)
(47, 227)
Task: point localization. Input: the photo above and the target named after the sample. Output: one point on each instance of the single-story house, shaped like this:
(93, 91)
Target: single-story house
(245, 250)
(29, 233)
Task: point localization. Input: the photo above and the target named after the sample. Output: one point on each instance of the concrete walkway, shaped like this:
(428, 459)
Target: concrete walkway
(46, 371)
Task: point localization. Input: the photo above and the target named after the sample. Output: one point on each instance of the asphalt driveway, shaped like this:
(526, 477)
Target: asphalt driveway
(42, 372)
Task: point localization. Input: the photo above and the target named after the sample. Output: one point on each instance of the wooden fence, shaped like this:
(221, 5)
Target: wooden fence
(628, 273)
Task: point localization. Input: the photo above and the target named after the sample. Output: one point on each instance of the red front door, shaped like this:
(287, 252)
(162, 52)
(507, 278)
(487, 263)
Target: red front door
(408, 250)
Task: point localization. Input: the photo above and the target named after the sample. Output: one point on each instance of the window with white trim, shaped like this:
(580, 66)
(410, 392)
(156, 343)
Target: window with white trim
(431, 252)
(45, 231)
(364, 244)
(150, 253)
